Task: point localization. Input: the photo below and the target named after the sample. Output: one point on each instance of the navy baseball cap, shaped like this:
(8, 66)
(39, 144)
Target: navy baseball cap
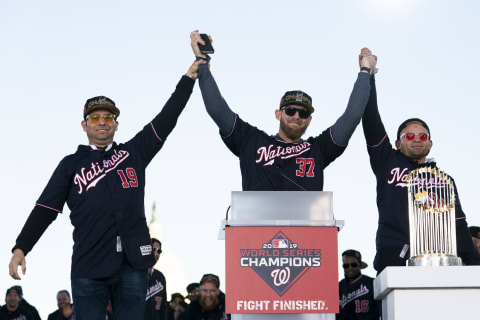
(177, 295)
(475, 232)
(100, 102)
(355, 254)
(408, 121)
(298, 98)
(192, 286)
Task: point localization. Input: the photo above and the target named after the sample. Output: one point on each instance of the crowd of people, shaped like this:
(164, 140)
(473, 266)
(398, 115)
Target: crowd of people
(205, 300)
(113, 254)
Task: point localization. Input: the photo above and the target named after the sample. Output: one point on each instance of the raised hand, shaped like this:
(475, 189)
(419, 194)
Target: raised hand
(367, 59)
(195, 39)
(193, 70)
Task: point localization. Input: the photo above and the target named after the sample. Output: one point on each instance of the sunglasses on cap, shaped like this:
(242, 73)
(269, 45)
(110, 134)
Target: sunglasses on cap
(290, 111)
(353, 264)
(410, 136)
(95, 118)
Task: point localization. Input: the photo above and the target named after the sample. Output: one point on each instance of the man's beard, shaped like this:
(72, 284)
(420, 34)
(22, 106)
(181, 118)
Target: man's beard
(420, 154)
(206, 307)
(292, 133)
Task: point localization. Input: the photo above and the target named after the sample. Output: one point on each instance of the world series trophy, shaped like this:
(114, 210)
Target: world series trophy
(431, 211)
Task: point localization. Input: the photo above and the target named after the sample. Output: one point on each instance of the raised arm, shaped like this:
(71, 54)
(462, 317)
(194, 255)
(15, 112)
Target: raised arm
(216, 106)
(344, 127)
(166, 120)
(373, 128)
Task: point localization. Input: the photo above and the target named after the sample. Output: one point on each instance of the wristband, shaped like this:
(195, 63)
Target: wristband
(366, 69)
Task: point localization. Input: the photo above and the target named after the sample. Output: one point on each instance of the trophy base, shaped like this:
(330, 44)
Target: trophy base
(434, 261)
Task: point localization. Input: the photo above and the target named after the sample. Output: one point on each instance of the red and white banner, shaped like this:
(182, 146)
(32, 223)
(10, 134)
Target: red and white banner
(281, 270)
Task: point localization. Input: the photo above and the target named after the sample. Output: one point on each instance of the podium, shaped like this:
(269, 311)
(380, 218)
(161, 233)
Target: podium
(447, 292)
(281, 255)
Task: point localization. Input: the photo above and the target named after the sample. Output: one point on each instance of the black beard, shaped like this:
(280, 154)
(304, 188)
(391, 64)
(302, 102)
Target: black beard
(420, 155)
(208, 308)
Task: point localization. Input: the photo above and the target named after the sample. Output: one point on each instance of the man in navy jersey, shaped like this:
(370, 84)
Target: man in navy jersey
(356, 290)
(103, 185)
(156, 306)
(391, 168)
(283, 161)
(475, 232)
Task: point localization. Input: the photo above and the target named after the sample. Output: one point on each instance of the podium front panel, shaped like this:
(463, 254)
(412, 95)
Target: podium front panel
(282, 205)
(281, 269)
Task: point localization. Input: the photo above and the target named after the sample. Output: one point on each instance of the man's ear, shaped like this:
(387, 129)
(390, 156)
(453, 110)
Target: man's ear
(116, 125)
(278, 114)
(397, 144)
(84, 125)
(308, 120)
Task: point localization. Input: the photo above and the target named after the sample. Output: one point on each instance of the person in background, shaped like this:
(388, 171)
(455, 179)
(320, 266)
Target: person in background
(156, 307)
(65, 307)
(356, 290)
(475, 232)
(211, 304)
(13, 310)
(24, 303)
(193, 290)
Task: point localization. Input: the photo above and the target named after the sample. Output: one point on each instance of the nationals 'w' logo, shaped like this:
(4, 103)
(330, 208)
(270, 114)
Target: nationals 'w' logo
(280, 262)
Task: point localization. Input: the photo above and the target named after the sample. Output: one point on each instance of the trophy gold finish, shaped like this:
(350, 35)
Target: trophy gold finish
(431, 211)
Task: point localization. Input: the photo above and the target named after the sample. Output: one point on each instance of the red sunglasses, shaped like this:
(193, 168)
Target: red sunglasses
(410, 136)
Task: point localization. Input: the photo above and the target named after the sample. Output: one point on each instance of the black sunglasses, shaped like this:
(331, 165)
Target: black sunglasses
(290, 111)
(158, 250)
(353, 264)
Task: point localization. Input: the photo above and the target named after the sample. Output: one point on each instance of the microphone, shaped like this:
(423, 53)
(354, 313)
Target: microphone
(278, 163)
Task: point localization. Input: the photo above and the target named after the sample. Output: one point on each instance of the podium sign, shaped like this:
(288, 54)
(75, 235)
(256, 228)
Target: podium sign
(281, 269)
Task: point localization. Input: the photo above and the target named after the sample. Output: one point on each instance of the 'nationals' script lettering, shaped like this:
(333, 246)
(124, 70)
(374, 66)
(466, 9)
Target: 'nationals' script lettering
(87, 179)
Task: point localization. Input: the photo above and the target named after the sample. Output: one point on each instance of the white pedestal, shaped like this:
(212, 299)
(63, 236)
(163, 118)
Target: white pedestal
(429, 292)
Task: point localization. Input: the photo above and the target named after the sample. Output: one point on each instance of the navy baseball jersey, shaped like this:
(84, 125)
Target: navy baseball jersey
(356, 300)
(104, 190)
(156, 307)
(391, 169)
(270, 164)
